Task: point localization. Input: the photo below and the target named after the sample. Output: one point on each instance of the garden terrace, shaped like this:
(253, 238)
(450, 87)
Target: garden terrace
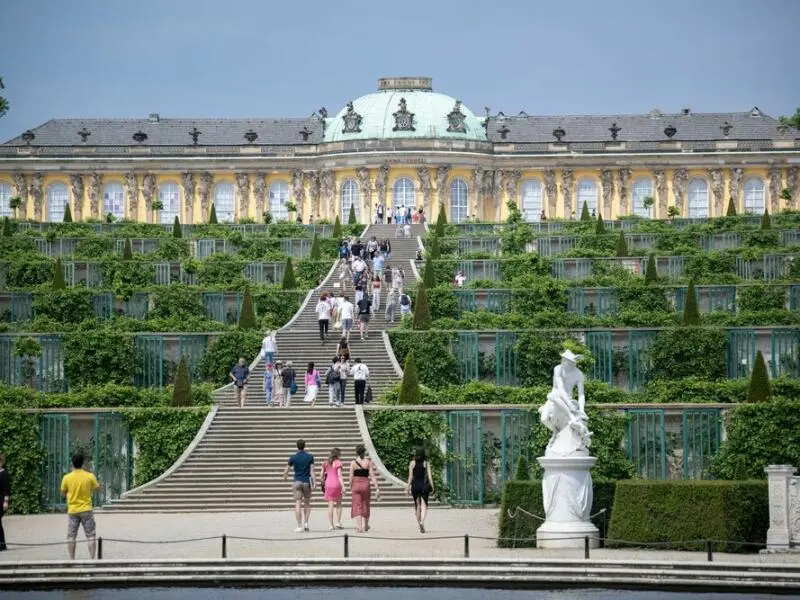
(136, 229)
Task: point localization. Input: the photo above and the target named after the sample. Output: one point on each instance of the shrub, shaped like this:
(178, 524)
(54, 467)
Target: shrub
(689, 352)
(422, 315)
(435, 250)
(758, 390)
(766, 222)
(337, 229)
(289, 282)
(19, 441)
(760, 297)
(351, 218)
(127, 250)
(247, 316)
(519, 530)
(428, 274)
(212, 215)
(759, 435)
(73, 305)
(67, 213)
(731, 212)
(223, 353)
(409, 388)
(600, 227)
(96, 356)
(585, 215)
(182, 389)
(622, 246)
(686, 513)
(179, 302)
(316, 252)
(691, 314)
(177, 232)
(441, 221)
(58, 276)
(522, 472)
(432, 350)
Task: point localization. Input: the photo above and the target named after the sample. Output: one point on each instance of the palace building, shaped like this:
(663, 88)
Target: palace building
(402, 145)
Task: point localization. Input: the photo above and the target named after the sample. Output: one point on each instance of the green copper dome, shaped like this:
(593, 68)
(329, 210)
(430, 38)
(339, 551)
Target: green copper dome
(402, 108)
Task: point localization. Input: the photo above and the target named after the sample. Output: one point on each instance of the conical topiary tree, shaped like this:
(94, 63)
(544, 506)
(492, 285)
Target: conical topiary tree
(441, 222)
(409, 388)
(247, 316)
(59, 283)
(67, 213)
(523, 469)
(759, 389)
(337, 229)
(212, 215)
(585, 215)
(691, 315)
(176, 228)
(182, 389)
(651, 274)
(351, 217)
(731, 212)
(316, 251)
(600, 227)
(766, 222)
(435, 250)
(429, 275)
(622, 246)
(289, 282)
(6, 227)
(422, 314)
(127, 250)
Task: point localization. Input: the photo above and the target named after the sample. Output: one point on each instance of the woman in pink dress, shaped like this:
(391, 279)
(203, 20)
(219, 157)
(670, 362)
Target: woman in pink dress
(332, 487)
(362, 474)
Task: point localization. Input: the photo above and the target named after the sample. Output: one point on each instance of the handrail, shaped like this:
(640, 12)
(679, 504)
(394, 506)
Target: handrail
(363, 428)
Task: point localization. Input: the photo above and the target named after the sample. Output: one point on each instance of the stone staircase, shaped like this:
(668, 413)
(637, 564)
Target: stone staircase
(238, 462)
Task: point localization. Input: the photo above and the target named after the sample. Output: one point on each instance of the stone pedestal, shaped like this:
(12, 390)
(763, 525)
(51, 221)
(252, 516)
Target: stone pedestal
(567, 488)
(783, 508)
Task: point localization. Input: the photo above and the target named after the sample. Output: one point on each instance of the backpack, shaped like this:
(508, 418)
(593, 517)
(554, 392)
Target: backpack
(332, 376)
(404, 300)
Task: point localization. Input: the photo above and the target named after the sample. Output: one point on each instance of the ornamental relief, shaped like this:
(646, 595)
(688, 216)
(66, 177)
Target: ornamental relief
(456, 119)
(551, 191)
(352, 120)
(93, 191)
(403, 119)
(76, 183)
(243, 189)
(260, 192)
(441, 182)
(132, 193)
(35, 192)
(365, 187)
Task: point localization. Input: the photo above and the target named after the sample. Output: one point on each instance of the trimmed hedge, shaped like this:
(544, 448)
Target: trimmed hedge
(520, 531)
(99, 396)
(687, 513)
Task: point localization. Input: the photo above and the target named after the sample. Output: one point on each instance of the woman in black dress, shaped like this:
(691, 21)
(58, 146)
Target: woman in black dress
(5, 497)
(419, 485)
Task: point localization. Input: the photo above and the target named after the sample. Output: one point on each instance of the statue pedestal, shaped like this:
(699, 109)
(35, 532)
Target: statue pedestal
(567, 487)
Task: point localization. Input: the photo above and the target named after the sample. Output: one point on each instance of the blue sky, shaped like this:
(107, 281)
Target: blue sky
(260, 58)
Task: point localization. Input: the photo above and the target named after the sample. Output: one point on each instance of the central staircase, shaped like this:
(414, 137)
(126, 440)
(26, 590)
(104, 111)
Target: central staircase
(238, 463)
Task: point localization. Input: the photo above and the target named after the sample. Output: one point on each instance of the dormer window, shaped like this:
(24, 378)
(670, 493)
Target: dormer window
(28, 136)
(614, 129)
(755, 112)
(84, 133)
(251, 136)
(726, 128)
(670, 131)
(194, 134)
(559, 133)
(503, 131)
(139, 136)
(305, 132)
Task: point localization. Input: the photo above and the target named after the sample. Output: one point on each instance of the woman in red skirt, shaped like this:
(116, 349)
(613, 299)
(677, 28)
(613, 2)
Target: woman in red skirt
(362, 475)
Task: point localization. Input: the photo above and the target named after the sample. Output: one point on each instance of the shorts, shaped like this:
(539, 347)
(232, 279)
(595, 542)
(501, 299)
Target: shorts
(364, 317)
(74, 522)
(301, 491)
(347, 324)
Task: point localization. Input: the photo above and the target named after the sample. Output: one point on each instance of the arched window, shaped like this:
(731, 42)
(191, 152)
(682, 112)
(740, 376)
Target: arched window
(278, 197)
(587, 192)
(170, 197)
(403, 193)
(698, 199)
(754, 195)
(459, 193)
(114, 200)
(642, 188)
(5, 200)
(350, 197)
(223, 202)
(532, 200)
(57, 200)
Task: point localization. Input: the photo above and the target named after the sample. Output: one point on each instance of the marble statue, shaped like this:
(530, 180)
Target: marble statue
(567, 481)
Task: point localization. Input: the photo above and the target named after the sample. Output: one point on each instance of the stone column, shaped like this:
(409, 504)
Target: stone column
(21, 190)
(204, 192)
(737, 175)
(680, 177)
(660, 204)
(149, 194)
(132, 193)
(381, 181)
(477, 189)
(567, 191)
(442, 173)
(327, 184)
(425, 184)
(497, 194)
(551, 193)
(260, 193)
(623, 178)
(298, 190)
(607, 182)
(35, 192)
(312, 178)
(774, 178)
(189, 186)
(243, 191)
(717, 190)
(779, 480)
(793, 183)
(365, 188)
(511, 182)
(93, 191)
(77, 185)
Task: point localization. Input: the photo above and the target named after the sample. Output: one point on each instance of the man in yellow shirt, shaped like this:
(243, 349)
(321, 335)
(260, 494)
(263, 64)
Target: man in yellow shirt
(78, 486)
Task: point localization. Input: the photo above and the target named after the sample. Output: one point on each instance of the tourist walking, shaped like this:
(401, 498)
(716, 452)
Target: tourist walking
(289, 377)
(405, 304)
(376, 291)
(239, 374)
(360, 373)
(332, 381)
(269, 376)
(419, 485)
(323, 311)
(332, 483)
(277, 384)
(5, 498)
(391, 306)
(78, 487)
(269, 347)
(302, 463)
(362, 477)
(346, 310)
(379, 212)
(344, 373)
(364, 312)
(312, 381)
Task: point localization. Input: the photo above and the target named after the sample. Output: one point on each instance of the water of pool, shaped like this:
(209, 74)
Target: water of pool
(369, 594)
